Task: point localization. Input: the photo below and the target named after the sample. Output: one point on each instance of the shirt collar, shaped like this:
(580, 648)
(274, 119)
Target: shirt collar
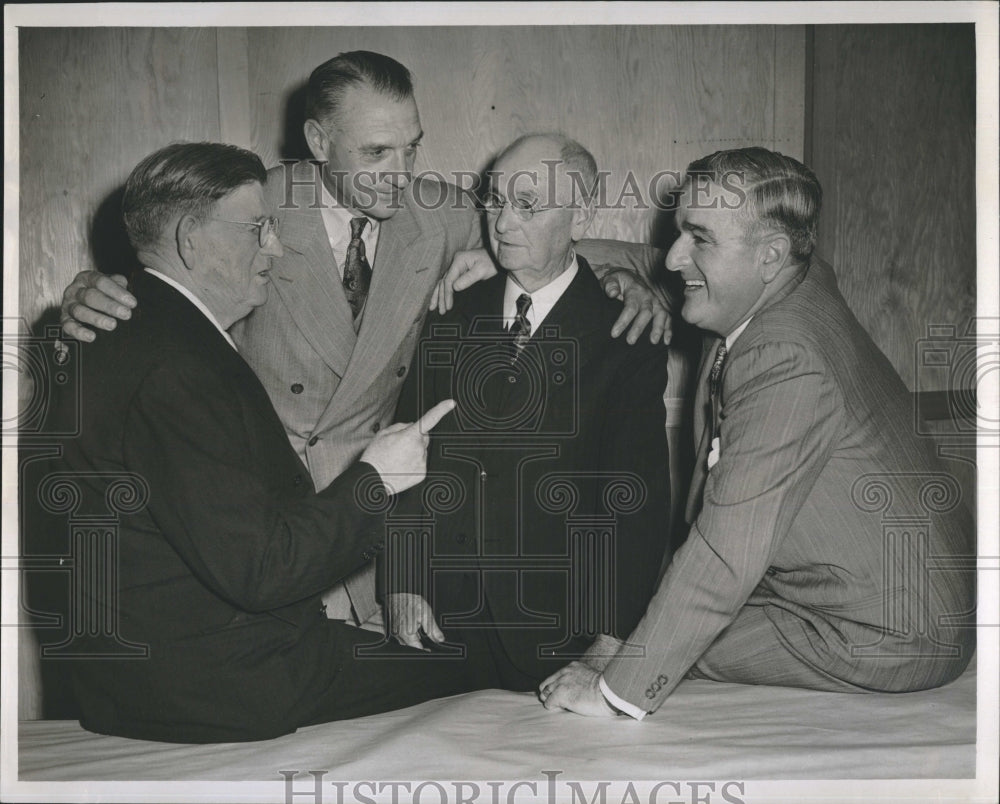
(337, 223)
(542, 300)
(195, 301)
(732, 336)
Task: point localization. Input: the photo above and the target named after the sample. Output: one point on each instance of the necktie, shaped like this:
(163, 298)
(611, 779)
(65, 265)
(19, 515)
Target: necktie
(713, 389)
(520, 330)
(706, 424)
(357, 271)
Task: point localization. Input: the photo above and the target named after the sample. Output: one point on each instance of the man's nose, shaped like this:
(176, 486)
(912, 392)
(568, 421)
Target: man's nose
(677, 257)
(273, 247)
(503, 221)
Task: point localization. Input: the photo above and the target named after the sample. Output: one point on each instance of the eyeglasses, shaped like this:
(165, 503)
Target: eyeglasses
(493, 205)
(265, 228)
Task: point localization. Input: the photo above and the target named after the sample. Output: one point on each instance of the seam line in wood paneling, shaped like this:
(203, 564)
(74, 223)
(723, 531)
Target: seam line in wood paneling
(234, 86)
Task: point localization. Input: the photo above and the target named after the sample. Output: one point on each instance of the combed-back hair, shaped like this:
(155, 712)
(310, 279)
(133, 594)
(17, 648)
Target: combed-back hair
(778, 193)
(183, 179)
(359, 68)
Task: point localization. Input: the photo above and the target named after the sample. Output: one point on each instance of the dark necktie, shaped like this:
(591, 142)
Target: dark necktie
(713, 390)
(708, 429)
(357, 271)
(520, 330)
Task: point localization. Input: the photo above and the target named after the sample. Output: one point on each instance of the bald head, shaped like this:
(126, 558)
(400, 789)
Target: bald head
(570, 157)
(541, 188)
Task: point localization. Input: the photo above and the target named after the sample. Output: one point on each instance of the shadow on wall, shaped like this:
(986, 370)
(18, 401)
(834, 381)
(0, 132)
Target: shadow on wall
(293, 145)
(110, 252)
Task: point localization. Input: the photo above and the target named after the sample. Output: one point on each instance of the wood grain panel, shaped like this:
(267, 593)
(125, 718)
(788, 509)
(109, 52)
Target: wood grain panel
(643, 98)
(894, 146)
(93, 103)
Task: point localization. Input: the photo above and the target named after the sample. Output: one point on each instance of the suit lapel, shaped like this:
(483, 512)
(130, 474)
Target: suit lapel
(407, 263)
(306, 279)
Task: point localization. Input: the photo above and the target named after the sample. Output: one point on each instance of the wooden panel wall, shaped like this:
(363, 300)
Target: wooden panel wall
(893, 143)
(93, 102)
(641, 98)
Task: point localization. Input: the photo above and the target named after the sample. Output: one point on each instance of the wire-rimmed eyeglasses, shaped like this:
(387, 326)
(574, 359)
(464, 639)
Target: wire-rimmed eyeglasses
(493, 204)
(265, 228)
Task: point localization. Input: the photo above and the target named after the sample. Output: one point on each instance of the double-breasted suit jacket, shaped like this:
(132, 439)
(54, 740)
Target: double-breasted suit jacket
(334, 387)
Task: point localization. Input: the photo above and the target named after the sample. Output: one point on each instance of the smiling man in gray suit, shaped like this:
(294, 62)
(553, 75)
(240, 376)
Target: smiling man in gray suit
(790, 575)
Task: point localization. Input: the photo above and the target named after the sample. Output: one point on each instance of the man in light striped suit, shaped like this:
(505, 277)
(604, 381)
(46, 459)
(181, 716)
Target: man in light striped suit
(828, 548)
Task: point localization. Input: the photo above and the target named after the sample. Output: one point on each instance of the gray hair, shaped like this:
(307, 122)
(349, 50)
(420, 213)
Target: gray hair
(184, 178)
(778, 192)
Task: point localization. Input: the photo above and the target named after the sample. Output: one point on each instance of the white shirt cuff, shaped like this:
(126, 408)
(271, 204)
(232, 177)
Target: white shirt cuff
(620, 704)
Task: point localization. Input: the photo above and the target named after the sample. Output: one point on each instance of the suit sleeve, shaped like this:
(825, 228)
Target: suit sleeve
(781, 412)
(252, 544)
(634, 441)
(419, 394)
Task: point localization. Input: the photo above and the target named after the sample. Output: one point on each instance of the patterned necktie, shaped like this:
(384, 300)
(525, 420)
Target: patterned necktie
(520, 330)
(696, 492)
(713, 389)
(357, 271)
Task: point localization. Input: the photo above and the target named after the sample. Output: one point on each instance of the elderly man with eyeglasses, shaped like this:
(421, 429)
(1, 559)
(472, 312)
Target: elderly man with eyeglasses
(225, 548)
(547, 520)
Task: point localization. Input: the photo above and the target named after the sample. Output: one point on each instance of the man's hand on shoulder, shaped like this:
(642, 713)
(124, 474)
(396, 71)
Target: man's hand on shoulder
(96, 300)
(576, 688)
(642, 307)
(467, 268)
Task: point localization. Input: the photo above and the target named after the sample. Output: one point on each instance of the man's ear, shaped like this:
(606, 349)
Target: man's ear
(773, 253)
(583, 216)
(187, 236)
(317, 139)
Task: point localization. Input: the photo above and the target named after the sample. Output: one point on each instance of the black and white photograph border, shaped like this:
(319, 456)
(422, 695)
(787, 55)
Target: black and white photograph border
(785, 120)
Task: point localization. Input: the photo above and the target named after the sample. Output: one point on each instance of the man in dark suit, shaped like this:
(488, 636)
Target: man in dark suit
(551, 539)
(333, 343)
(828, 547)
(225, 547)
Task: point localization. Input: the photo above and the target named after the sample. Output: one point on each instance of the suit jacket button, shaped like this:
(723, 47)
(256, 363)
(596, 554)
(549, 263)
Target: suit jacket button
(297, 388)
(376, 427)
(366, 556)
(297, 480)
(461, 538)
(313, 440)
(662, 678)
(401, 371)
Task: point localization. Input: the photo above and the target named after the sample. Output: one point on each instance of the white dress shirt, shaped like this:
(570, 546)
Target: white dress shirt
(195, 301)
(618, 703)
(542, 300)
(337, 222)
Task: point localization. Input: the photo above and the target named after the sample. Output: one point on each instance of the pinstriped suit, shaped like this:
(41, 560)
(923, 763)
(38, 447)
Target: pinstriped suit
(334, 388)
(808, 564)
